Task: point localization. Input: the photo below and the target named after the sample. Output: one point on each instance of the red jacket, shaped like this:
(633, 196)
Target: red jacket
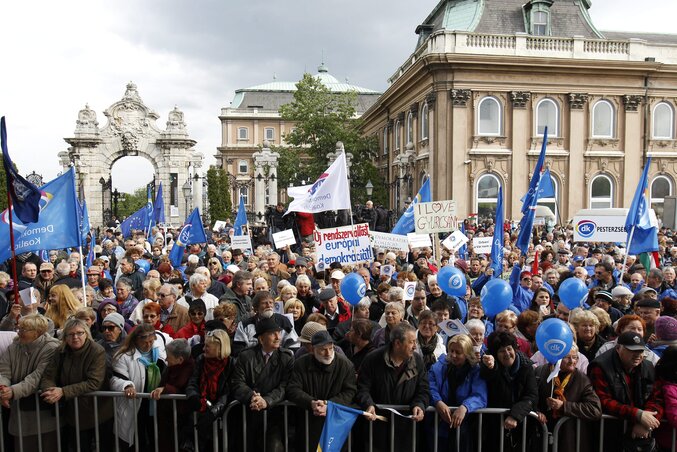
(306, 223)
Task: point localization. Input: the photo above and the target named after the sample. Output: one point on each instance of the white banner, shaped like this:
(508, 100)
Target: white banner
(482, 245)
(329, 192)
(284, 238)
(390, 242)
(419, 240)
(455, 240)
(241, 242)
(437, 216)
(345, 244)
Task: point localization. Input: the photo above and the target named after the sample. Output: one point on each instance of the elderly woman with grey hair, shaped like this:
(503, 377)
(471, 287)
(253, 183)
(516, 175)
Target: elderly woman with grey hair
(393, 314)
(199, 284)
(21, 369)
(587, 326)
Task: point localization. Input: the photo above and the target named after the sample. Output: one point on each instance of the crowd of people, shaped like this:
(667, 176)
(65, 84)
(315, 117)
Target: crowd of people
(270, 327)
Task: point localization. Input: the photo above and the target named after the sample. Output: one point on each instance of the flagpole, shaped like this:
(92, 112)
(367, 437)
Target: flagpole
(11, 238)
(82, 276)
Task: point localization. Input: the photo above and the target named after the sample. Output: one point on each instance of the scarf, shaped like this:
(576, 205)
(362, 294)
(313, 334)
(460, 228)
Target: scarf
(153, 375)
(209, 380)
(428, 350)
(455, 378)
(558, 389)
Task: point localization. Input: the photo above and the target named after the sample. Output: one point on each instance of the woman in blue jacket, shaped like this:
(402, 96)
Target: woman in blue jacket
(456, 390)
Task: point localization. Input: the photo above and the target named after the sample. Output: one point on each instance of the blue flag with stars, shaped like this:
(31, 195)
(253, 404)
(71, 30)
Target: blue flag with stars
(192, 232)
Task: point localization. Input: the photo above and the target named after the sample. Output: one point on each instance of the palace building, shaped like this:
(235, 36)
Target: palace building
(469, 106)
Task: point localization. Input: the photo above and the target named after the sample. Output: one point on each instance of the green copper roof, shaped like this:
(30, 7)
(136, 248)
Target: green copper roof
(462, 15)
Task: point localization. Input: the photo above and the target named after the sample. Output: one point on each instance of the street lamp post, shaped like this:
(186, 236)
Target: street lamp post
(370, 188)
(187, 194)
(116, 197)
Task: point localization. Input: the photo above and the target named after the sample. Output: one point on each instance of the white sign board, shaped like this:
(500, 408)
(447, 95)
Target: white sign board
(241, 242)
(173, 211)
(345, 244)
(437, 216)
(27, 296)
(409, 289)
(482, 245)
(390, 242)
(419, 240)
(455, 240)
(284, 238)
(219, 225)
(603, 225)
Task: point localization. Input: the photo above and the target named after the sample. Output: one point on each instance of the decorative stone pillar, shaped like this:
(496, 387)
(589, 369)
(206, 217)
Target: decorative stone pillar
(265, 175)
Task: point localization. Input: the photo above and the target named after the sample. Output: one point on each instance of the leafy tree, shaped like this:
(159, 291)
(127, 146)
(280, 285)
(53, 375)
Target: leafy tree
(218, 194)
(132, 202)
(323, 118)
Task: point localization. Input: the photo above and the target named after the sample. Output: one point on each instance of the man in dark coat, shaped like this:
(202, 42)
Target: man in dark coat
(259, 383)
(318, 377)
(394, 375)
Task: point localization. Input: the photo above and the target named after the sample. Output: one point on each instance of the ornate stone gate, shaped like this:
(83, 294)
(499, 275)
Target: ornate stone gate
(131, 131)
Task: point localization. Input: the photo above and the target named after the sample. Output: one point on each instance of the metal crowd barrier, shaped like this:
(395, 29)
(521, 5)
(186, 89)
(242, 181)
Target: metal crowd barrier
(546, 436)
(605, 417)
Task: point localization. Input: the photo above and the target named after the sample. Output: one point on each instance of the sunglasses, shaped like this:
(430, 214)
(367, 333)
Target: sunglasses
(196, 314)
(108, 327)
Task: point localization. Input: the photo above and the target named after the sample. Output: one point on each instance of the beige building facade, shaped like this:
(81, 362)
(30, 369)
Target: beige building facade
(469, 107)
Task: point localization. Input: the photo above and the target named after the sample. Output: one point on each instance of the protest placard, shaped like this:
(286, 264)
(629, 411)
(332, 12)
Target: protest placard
(437, 216)
(241, 242)
(482, 245)
(219, 225)
(419, 240)
(390, 242)
(455, 240)
(345, 244)
(284, 238)
(409, 289)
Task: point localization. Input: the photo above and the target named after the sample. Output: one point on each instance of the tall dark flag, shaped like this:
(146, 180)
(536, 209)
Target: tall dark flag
(25, 196)
(531, 200)
(497, 243)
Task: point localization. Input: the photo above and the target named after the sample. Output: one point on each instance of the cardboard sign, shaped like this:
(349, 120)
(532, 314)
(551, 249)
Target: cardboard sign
(482, 245)
(390, 242)
(219, 225)
(437, 216)
(345, 244)
(419, 240)
(387, 270)
(284, 238)
(241, 242)
(455, 240)
(409, 289)
(279, 307)
(27, 296)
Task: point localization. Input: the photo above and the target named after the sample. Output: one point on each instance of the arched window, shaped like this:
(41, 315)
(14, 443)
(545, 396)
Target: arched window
(242, 133)
(244, 194)
(424, 122)
(486, 196)
(410, 128)
(385, 140)
(398, 137)
(601, 192)
(603, 119)
(489, 117)
(551, 202)
(547, 113)
(662, 121)
(661, 187)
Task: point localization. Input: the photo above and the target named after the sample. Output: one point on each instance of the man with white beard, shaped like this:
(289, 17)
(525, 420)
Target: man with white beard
(245, 335)
(317, 378)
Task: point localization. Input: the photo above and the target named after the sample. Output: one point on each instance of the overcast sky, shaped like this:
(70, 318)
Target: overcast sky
(58, 56)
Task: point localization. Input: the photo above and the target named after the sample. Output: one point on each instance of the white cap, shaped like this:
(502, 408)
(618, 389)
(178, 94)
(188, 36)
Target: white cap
(233, 268)
(337, 274)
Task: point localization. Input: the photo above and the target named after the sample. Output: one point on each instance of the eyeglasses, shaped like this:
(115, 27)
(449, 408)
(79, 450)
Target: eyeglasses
(108, 327)
(45, 271)
(162, 295)
(149, 316)
(196, 314)
(213, 263)
(76, 334)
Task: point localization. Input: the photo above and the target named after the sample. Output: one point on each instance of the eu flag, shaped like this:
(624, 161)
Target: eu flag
(159, 207)
(84, 220)
(405, 224)
(642, 234)
(497, 243)
(192, 232)
(137, 220)
(240, 219)
(531, 200)
(90, 254)
(25, 196)
(337, 426)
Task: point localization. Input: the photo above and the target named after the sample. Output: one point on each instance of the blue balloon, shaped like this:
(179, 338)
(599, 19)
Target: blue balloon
(554, 339)
(144, 266)
(496, 296)
(573, 293)
(353, 288)
(452, 281)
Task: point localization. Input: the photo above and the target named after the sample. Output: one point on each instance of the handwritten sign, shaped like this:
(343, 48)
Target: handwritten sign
(437, 216)
(284, 238)
(482, 245)
(345, 244)
(390, 242)
(455, 240)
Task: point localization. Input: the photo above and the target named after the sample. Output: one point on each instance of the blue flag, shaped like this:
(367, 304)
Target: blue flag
(644, 238)
(84, 221)
(240, 219)
(192, 232)
(159, 207)
(405, 224)
(463, 251)
(25, 196)
(531, 200)
(546, 189)
(137, 220)
(150, 211)
(337, 426)
(57, 226)
(497, 244)
(90, 255)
